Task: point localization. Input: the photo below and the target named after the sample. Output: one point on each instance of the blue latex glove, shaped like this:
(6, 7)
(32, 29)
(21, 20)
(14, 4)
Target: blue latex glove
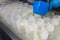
(40, 7)
(54, 3)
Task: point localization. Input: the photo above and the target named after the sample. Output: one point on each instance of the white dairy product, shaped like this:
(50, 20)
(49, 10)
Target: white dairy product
(22, 20)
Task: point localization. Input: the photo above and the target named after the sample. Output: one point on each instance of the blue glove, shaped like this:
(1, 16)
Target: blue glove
(41, 8)
(54, 3)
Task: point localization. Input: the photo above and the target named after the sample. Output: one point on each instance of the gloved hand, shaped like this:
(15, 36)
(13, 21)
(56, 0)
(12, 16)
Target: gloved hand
(41, 8)
(54, 3)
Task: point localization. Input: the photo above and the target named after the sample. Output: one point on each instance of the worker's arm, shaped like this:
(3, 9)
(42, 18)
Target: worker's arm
(54, 3)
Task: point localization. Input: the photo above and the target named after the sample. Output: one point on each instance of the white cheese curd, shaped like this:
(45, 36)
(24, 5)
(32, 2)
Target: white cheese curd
(44, 34)
(23, 21)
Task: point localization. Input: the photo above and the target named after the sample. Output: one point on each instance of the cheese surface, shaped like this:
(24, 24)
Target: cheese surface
(22, 19)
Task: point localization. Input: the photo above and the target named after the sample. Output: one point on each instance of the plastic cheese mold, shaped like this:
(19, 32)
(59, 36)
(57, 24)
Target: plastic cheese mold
(24, 22)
